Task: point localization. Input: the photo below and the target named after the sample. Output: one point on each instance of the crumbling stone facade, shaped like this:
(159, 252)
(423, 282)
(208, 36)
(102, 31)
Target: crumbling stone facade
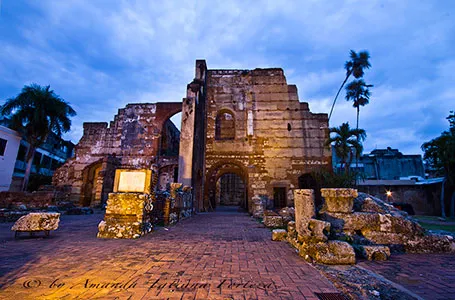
(247, 123)
(258, 130)
(133, 140)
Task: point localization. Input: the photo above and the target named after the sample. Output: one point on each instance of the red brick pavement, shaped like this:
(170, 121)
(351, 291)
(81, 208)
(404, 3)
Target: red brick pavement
(430, 276)
(223, 255)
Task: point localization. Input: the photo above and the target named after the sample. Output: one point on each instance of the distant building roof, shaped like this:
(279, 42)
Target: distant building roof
(401, 182)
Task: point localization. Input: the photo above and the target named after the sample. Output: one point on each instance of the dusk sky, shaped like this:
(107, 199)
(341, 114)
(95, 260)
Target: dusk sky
(100, 55)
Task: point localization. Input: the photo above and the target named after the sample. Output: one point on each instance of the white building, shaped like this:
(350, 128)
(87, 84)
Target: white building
(9, 146)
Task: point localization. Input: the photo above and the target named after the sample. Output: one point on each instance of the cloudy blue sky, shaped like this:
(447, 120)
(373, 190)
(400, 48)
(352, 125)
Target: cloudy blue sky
(100, 55)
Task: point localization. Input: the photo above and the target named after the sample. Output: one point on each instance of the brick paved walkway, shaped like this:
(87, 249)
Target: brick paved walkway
(430, 276)
(223, 255)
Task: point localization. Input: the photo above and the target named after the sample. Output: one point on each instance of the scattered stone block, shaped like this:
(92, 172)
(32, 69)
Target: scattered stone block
(279, 235)
(304, 209)
(339, 200)
(369, 205)
(258, 207)
(385, 238)
(375, 252)
(349, 224)
(292, 232)
(330, 253)
(404, 225)
(319, 229)
(433, 243)
(288, 214)
(273, 220)
(34, 222)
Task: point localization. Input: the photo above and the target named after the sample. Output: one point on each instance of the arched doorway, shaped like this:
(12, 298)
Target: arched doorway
(226, 183)
(92, 187)
(230, 190)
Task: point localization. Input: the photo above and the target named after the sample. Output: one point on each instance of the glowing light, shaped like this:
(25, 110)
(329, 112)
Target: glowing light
(388, 193)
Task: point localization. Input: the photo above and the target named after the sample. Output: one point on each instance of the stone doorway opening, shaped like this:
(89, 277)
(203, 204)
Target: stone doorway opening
(168, 154)
(230, 191)
(92, 185)
(227, 186)
(279, 197)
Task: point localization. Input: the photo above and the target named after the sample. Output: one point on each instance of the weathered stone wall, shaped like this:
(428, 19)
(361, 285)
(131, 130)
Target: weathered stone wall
(132, 140)
(277, 138)
(38, 199)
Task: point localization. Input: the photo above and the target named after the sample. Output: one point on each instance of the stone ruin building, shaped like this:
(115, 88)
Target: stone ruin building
(244, 134)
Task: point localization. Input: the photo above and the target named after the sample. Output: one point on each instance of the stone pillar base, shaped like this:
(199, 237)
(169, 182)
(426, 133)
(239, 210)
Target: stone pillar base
(126, 216)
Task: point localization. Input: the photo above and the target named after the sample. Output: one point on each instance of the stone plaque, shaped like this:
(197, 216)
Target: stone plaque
(132, 181)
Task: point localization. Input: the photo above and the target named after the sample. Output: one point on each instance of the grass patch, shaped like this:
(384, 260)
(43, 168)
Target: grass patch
(433, 223)
(432, 218)
(449, 228)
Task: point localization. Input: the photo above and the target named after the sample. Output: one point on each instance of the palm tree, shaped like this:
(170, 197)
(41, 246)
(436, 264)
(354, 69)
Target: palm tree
(346, 140)
(358, 92)
(36, 112)
(355, 66)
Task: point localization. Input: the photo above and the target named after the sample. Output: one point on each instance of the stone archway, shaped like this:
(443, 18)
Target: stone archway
(92, 185)
(230, 190)
(215, 174)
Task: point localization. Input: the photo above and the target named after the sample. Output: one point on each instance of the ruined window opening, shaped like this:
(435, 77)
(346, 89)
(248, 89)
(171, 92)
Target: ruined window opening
(289, 127)
(170, 136)
(224, 126)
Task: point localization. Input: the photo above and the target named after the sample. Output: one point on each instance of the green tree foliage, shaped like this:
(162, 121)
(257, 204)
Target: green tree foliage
(347, 143)
(358, 92)
(36, 112)
(329, 179)
(439, 154)
(355, 66)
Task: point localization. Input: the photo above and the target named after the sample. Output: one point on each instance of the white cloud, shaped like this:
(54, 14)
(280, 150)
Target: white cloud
(100, 55)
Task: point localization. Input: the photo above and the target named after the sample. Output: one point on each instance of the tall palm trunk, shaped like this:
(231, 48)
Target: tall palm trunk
(338, 93)
(357, 154)
(28, 168)
(358, 113)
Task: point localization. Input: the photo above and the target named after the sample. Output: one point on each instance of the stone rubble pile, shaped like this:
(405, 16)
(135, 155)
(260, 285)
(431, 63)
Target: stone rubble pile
(352, 224)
